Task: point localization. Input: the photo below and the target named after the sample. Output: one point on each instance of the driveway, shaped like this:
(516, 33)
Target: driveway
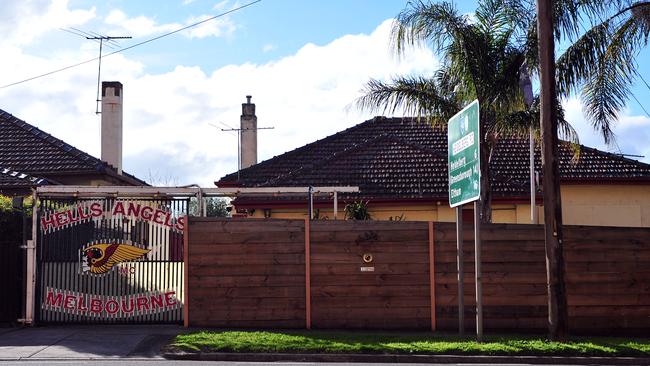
(86, 342)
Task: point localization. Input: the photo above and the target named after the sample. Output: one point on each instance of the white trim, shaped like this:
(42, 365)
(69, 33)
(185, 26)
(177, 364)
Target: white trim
(184, 191)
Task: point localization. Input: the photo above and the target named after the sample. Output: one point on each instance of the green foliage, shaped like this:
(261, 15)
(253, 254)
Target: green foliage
(11, 219)
(216, 207)
(7, 206)
(357, 211)
(395, 343)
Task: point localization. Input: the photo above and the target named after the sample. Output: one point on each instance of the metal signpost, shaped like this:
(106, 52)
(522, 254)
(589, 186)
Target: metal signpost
(464, 165)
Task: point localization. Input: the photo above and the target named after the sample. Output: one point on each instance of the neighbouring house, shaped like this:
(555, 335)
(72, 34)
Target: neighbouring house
(400, 166)
(30, 157)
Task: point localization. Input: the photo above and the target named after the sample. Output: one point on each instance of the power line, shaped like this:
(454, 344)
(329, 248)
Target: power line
(646, 83)
(640, 105)
(132, 46)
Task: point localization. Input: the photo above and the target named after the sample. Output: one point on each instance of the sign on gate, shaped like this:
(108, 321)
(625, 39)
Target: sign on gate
(463, 134)
(111, 260)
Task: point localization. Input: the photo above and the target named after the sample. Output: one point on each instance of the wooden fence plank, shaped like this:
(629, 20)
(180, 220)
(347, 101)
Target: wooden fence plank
(243, 273)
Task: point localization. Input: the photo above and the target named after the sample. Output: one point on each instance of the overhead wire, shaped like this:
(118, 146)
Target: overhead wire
(132, 46)
(645, 82)
(111, 46)
(640, 105)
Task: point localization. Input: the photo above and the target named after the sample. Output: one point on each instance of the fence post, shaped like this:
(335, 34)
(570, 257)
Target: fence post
(307, 275)
(186, 270)
(432, 275)
(30, 280)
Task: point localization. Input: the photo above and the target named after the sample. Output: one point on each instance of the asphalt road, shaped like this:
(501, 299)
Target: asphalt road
(127, 361)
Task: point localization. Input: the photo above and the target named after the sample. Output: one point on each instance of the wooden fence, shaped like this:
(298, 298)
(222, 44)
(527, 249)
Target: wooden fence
(377, 274)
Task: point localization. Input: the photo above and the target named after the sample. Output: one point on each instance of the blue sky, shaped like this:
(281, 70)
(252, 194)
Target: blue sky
(304, 62)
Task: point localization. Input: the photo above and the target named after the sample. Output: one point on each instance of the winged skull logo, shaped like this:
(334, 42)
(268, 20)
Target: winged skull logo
(100, 258)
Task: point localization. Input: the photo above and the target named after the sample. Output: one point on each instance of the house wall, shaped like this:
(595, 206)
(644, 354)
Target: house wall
(603, 205)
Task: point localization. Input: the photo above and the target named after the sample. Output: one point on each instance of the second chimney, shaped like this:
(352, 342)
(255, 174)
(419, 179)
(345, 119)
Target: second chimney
(112, 124)
(248, 127)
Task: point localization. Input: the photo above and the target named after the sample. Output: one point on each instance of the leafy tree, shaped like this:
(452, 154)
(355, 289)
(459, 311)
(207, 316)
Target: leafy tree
(485, 57)
(216, 207)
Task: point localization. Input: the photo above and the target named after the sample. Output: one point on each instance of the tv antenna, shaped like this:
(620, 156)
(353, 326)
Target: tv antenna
(238, 130)
(109, 41)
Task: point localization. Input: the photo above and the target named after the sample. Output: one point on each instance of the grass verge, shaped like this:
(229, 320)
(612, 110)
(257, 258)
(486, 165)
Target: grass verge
(396, 343)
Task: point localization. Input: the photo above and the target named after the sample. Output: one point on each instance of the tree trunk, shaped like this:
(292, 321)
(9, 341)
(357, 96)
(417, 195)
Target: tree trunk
(557, 301)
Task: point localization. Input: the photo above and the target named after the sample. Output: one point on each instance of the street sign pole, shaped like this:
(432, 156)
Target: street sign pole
(477, 274)
(464, 166)
(461, 270)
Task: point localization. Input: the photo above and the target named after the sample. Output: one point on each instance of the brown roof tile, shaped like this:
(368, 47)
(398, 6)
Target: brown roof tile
(31, 151)
(391, 158)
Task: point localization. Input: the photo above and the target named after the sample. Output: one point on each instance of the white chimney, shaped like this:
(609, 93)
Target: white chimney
(248, 127)
(112, 124)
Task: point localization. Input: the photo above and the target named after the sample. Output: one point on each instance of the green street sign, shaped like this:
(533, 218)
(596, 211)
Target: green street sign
(463, 137)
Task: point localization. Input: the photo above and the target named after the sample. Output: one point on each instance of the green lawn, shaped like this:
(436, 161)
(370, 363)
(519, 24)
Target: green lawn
(355, 342)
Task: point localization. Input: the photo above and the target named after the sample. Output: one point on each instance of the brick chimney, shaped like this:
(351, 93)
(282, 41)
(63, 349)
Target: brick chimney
(248, 127)
(112, 123)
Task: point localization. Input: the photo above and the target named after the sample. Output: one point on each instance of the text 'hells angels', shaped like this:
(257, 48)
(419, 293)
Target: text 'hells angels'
(82, 212)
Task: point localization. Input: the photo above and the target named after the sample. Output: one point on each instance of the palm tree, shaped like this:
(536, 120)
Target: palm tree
(600, 63)
(484, 58)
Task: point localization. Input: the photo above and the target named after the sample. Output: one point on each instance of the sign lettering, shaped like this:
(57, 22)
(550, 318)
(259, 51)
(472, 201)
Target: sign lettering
(82, 212)
(112, 306)
(463, 132)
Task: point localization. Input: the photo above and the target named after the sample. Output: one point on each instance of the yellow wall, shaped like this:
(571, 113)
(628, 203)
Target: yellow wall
(621, 205)
(605, 205)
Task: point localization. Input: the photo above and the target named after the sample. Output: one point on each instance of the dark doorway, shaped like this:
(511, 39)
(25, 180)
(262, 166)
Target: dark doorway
(12, 267)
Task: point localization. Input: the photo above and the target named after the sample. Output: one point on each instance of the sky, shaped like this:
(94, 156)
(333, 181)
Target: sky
(303, 62)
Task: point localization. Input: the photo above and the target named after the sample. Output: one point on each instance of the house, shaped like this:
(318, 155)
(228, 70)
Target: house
(400, 166)
(30, 157)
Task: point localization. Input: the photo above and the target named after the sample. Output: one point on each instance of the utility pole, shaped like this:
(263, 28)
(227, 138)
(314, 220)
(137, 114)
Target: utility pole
(557, 302)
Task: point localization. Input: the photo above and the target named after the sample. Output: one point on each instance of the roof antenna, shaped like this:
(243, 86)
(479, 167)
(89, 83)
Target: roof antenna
(108, 41)
(99, 70)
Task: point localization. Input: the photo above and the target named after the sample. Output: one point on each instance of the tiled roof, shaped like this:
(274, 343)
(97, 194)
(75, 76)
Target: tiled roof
(14, 179)
(31, 151)
(392, 158)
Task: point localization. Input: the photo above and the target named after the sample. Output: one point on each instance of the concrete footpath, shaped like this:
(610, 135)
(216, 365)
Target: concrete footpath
(85, 342)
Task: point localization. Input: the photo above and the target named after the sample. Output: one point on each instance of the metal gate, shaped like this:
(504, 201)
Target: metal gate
(110, 260)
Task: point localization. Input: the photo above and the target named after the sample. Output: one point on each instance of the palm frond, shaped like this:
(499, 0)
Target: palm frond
(606, 89)
(578, 62)
(419, 22)
(519, 123)
(417, 96)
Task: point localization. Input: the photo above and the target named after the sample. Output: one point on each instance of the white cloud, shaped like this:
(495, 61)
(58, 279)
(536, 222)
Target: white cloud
(139, 26)
(212, 28)
(166, 116)
(268, 47)
(221, 5)
(23, 22)
(142, 26)
(632, 131)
